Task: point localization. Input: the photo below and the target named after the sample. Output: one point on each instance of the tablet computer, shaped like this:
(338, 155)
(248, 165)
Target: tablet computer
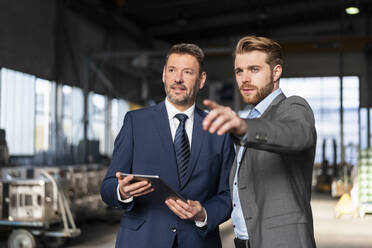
(162, 190)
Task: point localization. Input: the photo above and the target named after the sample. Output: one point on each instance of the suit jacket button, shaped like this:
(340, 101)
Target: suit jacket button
(173, 229)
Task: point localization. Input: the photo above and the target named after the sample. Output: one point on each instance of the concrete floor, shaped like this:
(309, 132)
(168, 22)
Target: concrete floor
(345, 232)
(330, 232)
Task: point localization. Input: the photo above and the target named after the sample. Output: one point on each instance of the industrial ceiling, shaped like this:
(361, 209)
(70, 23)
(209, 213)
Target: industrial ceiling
(124, 58)
(175, 21)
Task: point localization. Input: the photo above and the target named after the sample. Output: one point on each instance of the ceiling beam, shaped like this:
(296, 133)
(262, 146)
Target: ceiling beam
(97, 15)
(241, 17)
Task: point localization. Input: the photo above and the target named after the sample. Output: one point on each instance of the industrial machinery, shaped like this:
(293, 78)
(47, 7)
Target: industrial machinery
(343, 183)
(44, 202)
(324, 180)
(35, 207)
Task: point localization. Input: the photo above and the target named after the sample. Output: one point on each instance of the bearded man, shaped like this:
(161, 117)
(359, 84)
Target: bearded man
(270, 181)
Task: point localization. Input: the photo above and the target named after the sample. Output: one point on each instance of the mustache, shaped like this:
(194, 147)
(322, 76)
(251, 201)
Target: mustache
(248, 86)
(178, 85)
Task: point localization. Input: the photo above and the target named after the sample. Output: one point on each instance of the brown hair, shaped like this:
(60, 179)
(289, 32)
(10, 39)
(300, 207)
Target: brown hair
(266, 45)
(190, 49)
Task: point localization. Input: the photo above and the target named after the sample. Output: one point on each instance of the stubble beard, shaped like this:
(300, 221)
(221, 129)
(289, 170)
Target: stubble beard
(260, 93)
(186, 99)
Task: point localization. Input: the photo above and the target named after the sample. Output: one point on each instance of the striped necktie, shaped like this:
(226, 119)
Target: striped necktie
(182, 148)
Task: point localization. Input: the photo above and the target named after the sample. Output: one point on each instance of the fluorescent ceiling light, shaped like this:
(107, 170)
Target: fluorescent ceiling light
(352, 10)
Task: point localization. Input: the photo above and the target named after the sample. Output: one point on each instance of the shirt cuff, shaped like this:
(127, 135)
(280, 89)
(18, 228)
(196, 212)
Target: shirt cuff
(130, 199)
(202, 223)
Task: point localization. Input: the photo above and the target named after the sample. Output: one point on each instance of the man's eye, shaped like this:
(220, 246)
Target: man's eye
(171, 70)
(188, 72)
(237, 72)
(254, 69)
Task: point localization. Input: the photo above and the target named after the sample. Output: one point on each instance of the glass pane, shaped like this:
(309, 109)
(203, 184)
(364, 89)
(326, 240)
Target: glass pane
(119, 109)
(28, 200)
(77, 110)
(96, 107)
(18, 111)
(363, 128)
(39, 199)
(351, 118)
(41, 130)
(323, 95)
(13, 200)
(67, 101)
(67, 129)
(21, 200)
(43, 114)
(97, 110)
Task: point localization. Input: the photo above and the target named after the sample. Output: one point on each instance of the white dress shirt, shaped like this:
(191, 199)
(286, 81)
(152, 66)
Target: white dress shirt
(174, 122)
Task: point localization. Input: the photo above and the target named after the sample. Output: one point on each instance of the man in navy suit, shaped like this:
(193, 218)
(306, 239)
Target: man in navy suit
(148, 144)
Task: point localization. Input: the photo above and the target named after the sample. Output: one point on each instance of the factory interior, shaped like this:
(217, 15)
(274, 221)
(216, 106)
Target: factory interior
(71, 69)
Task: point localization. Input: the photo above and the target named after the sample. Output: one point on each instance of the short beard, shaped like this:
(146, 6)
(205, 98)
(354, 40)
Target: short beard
(188, 98)
(264, 92)
(182, 102)
(261, 93)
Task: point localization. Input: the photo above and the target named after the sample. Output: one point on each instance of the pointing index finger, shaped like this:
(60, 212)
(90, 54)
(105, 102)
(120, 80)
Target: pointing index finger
(210, 104)
(212, 115)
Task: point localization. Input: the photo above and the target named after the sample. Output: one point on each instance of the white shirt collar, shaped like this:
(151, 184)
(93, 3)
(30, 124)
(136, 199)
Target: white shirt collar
(172, 111)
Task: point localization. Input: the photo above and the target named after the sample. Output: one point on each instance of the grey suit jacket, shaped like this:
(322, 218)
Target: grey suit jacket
(274, 178)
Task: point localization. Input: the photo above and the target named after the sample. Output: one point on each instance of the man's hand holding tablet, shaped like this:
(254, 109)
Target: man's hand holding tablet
(129, 186)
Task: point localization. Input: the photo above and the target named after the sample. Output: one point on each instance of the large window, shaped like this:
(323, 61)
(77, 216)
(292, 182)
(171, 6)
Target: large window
(28, 108)
(17, 112)
(323, 95)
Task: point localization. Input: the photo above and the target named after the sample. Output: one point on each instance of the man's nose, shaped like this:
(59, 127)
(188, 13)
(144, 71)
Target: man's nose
(178, 78)
(246, 78)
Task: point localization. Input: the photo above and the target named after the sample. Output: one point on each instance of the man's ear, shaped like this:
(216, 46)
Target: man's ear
(203, 77)
(277, 72)
(163, 75)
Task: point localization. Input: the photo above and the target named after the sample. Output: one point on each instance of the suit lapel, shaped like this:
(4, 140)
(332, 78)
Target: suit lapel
(197, 140)
(161, 123)
(244, 161)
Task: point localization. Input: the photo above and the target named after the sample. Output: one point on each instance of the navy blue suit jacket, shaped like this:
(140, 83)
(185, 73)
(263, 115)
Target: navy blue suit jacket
(144, 146)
